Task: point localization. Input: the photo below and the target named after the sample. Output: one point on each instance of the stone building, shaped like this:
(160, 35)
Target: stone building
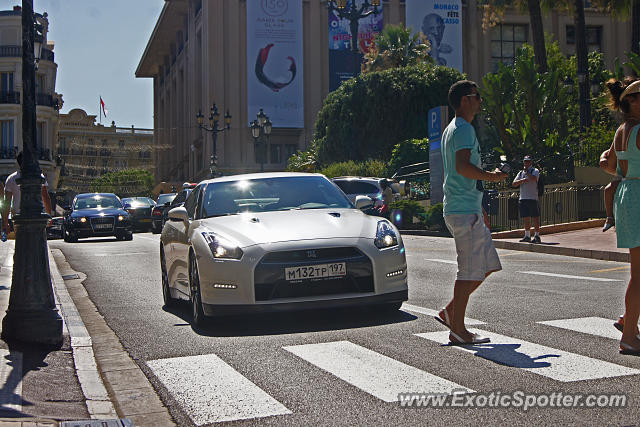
(197, 54)
(88, 150)
(48, 102)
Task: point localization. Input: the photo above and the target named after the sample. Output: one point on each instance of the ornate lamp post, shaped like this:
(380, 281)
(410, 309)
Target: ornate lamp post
(32, 316)
(353, 15)
(260, 130)
(214, 117)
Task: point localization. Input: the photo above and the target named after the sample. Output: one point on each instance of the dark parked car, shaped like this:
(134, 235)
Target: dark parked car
(157, 214)
(54, 228)
(177, 201)
(96, 215)
(139, 209)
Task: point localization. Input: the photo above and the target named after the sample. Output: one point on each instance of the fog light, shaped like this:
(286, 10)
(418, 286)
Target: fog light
(83, 219)
(395, 273)
(224, 286)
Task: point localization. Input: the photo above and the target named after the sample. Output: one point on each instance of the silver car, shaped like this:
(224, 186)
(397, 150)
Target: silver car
(278, 241)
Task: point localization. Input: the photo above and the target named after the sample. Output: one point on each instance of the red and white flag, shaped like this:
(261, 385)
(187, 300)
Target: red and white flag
(104, 110)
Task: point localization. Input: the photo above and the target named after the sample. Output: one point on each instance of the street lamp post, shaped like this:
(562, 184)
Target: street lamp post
(260, 131)
(32, 316)
(214, 118)
(353, 15)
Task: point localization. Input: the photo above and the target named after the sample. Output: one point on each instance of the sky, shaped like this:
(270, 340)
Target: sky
(98, 45)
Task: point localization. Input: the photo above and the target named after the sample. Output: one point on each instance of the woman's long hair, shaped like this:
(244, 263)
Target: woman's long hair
(616, 87)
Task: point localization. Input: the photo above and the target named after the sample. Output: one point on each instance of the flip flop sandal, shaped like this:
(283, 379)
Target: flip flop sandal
(446, 321)
(475, 339)
(629, 350)
(619, 324)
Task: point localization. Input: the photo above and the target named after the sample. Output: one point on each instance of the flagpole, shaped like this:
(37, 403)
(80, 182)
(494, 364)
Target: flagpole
(100, 108)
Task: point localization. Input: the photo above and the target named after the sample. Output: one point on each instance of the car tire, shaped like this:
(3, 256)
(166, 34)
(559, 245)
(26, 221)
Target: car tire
(169, 301)
(392, 307)
(156, 230)
(128, 237)
(198, 316)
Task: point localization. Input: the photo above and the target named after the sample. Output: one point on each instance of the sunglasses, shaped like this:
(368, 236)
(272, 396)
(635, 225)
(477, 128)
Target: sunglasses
(476, 95)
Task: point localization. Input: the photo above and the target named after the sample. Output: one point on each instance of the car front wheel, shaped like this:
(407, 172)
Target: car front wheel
(196, 298)
(169, 301)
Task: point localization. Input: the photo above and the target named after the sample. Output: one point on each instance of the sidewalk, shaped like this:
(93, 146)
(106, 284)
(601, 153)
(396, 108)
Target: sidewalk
(91, 379)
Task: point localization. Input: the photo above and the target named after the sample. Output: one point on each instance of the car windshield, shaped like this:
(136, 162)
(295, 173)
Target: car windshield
(271, 194)
(97, 202)
(164, 198)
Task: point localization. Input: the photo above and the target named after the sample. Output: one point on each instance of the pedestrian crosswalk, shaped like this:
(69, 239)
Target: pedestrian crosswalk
(210, 390)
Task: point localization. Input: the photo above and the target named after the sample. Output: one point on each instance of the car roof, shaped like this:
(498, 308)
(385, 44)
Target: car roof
(363, 178)
(248, 176)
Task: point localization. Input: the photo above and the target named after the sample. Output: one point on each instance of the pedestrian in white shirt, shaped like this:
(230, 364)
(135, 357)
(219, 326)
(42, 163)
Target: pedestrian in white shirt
(12, 196)
(527, 180)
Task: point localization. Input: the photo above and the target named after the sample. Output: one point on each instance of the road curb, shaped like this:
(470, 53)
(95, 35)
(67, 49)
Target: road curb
(129, 390)
(559, 250)
(551, 229)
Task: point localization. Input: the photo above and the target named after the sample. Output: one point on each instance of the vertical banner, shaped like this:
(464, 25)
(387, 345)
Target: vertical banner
(274, 61)
(441, 22)
(437, 120)
(343, 62)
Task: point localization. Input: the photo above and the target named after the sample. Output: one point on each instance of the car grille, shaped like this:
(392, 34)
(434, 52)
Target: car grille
(270, 281)
(102, 224)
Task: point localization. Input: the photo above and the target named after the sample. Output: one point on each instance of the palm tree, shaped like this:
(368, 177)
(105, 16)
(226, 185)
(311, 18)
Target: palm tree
(396, 47)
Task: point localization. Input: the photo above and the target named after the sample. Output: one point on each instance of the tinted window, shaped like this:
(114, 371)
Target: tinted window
(164, 198)
(190, 204)
(344, 186)
(271, 194)
(181, 197)
(358, 187)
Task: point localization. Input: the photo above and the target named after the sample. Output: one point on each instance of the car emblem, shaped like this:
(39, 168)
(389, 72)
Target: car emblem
(312, 254)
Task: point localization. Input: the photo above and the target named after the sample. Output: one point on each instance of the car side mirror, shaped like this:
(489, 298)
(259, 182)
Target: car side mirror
(363, 202)
(167, 204)
(178, 214)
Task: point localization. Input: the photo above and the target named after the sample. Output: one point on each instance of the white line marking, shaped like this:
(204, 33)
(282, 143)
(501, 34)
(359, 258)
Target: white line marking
(371, 372)
(124, 254)
(11, 380)
(546, 361)
(429, 312)
(445, 261)
(211, 391)
(566, 276)
(588, 325)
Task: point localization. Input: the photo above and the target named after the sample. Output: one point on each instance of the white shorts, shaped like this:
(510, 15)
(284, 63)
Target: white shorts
(476, 254)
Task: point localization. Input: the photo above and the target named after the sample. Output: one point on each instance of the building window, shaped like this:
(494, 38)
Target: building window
(40, 87)
(40, 135)
(275, 151)
(290, 150)
(7, 139)
(62, 145)
(594, 38)
(121, 143)
(506, 39)
(7, 82)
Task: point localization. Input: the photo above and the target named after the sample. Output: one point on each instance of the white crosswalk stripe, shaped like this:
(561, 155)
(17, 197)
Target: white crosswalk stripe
(374, 373)
(211, 391)
(597, 326)
(546, 361)
(567, 276)
(11, 380)
(430, 312)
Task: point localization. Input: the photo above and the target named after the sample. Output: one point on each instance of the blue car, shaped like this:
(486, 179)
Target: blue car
(96, 215)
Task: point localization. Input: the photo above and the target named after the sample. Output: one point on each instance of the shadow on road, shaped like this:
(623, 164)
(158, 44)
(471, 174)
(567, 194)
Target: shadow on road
(293, 322)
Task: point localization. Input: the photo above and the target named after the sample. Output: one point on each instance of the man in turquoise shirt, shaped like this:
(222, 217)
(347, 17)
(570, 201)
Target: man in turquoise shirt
(463, 213)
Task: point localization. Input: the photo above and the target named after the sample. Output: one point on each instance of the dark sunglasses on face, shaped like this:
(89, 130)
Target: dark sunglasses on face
(476, 95)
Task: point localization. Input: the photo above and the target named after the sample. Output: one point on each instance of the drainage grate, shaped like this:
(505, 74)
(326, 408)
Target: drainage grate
(123, 422)
(70, 276)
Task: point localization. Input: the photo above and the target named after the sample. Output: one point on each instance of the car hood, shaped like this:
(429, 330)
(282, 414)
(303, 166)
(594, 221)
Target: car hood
(270, 227)
(98, 212)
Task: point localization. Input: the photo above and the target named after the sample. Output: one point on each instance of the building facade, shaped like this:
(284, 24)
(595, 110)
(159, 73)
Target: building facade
(197, 55)
(88, 150)
(48, 102)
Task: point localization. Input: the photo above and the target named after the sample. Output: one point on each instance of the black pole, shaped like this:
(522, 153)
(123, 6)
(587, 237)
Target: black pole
(215, 150)
(32, 316)
(584, 89)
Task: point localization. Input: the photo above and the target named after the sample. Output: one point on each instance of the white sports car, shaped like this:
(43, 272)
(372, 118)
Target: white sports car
(278, 241)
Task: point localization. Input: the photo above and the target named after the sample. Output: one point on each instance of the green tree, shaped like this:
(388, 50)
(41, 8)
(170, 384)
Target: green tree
(125, 183)
(395, 47)
(369, 114)
(623, 9)
(409, 152)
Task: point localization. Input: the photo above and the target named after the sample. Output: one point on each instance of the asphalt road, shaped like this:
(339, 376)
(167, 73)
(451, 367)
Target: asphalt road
(347, 367)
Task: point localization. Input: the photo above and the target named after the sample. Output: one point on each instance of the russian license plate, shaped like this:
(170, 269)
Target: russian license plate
(102, 226)
(145, 220)
(316, 271)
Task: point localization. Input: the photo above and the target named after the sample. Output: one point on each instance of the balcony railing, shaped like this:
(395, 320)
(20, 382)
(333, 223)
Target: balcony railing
(8, 153)
(11, 51)
(45, 100)
(9, 97)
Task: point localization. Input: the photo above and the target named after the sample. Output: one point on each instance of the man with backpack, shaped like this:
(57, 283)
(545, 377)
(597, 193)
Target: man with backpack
(527, 180)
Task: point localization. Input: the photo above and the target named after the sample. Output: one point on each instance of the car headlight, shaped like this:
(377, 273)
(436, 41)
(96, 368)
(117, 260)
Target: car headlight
(121, 217)
(222, 248)
(386, 237)
(83, 219)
